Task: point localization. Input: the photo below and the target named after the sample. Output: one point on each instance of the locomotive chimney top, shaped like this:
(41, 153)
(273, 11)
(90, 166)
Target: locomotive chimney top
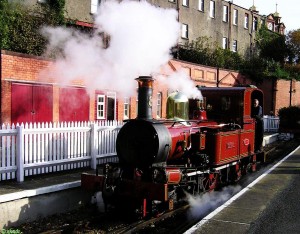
(145, 81)
(145, 97)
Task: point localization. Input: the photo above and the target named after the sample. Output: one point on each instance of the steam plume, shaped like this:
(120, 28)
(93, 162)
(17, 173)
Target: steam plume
(207, 202)
(141, 36)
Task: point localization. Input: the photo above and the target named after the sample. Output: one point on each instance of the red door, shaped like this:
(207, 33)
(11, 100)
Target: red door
(42, 104)
(31, 103)
(73, 104)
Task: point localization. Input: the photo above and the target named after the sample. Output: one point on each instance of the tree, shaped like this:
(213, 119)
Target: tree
(272, 46)
(293, 42)
(20, 26)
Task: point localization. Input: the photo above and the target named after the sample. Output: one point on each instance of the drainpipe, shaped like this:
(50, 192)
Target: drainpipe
(177, 8)
(229, 25)
(218, 76)
(251, 34)
(274, 90)
(291, 91)
(0, 86)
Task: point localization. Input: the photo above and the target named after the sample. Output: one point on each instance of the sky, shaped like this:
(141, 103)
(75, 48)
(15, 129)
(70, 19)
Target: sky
(288, 10)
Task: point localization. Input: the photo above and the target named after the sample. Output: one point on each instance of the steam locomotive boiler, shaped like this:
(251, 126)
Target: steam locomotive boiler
(202, 144)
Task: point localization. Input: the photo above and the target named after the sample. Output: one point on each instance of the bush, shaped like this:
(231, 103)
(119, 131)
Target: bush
(289, 118)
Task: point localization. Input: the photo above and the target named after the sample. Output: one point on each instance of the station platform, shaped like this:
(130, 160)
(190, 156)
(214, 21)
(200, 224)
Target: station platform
(28, 200)
(41, 196)
(268, 205)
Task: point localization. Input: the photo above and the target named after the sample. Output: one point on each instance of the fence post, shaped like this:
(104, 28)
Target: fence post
(20, 154)
(93, 146)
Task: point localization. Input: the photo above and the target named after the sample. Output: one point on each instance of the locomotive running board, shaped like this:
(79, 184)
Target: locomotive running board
(215, 169)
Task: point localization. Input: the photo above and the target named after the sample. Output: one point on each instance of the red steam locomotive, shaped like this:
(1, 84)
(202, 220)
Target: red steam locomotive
(201, 144)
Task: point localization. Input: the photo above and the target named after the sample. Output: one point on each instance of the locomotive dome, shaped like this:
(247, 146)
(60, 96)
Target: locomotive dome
(177, 106)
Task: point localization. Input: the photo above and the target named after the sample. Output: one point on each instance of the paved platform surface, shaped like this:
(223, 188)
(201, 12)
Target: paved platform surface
(270, 204)
(40, 184)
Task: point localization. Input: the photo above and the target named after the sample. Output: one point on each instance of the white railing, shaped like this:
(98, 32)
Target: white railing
(271, 123)
(32, 149)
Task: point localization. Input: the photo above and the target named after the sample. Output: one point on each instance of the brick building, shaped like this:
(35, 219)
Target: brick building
(28, 97)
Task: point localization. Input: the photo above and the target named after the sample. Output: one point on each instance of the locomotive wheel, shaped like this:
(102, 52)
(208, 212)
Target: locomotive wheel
(210, 182)
(238, 171)
(253, 167)
(235, 173)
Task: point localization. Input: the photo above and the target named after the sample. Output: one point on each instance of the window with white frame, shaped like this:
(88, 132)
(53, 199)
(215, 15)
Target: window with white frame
(225, 13)
(185, 31)
(246, 21)
(185, 3)
(137, 102)
(255, 22)
(235, 16)
(126, 108)
(224, 43)
(158, 106)
(94, 6)
(212, 9)
(201, 5)
(100, 106)
(234, 45)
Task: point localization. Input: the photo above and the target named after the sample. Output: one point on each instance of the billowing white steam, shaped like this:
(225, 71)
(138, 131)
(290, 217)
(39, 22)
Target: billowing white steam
(181, 81)
(141, 36)
(207, 202)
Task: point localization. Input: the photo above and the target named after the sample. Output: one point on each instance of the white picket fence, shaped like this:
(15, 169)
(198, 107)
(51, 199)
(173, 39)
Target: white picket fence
(32, 149)
(271, 123)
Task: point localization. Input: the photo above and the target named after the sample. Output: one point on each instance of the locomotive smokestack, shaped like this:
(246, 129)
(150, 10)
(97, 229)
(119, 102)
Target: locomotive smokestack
(145, 97)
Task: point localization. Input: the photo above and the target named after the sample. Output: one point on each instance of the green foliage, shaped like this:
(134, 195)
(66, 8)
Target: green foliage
(272, 45)
(196, 51)
(10, 231)
(54, 10)
(293, 42)
(289, 117)
(24, 33)
(202, 51)
(5, 13)
(269, 63)
(254, 68)
(293, 70)
(226, 59)
(20, 26)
